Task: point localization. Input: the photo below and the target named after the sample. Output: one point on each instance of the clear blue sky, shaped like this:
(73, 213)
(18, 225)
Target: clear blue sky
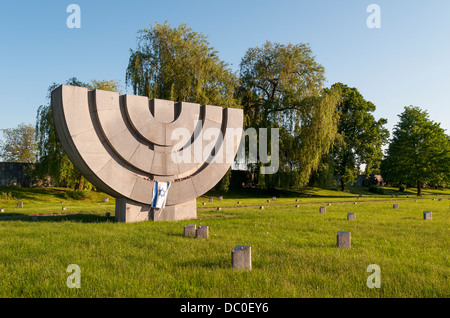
(405, 62)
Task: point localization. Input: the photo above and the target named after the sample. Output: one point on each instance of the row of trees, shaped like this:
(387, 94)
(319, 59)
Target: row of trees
(325, 133)
(278, 86)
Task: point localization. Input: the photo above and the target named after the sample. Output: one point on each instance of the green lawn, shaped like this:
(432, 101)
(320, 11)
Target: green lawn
(294, 251)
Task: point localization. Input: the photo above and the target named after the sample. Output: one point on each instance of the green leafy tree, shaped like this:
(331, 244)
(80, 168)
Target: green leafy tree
(281, 87)
(178, 64)
(19, 144)
(361, 136)
(419, 152)
(224, 184)
(52, 161)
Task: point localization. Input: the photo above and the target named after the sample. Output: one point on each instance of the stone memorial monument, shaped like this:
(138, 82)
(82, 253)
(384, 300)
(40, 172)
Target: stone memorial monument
(190, 230)
(202, 231)
(241, 257)
(343, 239)
(427, 215)
(127, 146)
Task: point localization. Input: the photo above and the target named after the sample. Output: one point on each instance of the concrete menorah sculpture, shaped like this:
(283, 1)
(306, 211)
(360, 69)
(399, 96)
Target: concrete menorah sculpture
(127, 145)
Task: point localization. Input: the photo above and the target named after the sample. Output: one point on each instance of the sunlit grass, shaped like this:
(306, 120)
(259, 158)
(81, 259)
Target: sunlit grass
(294, 251)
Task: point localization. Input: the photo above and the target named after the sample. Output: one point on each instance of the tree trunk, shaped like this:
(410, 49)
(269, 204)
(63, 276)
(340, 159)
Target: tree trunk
(80, 184)
(419, 189)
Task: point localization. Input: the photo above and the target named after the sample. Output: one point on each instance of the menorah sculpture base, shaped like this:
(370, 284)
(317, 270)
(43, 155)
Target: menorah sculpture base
(128, 211)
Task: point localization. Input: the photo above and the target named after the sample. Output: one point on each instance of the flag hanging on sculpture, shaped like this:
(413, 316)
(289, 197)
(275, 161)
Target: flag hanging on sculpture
(160, 190)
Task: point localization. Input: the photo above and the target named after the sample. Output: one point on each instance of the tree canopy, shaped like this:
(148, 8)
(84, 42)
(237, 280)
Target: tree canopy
(19, 144)
(281, 86)
(419, 152)
(178, 64)
(361, 136)
(324, 132)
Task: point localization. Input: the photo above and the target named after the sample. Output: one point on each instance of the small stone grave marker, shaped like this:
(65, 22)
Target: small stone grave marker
(427, 215)
(241, 257)
(395, 206)
(20, 204)
(202, 231)
(323, 210)
(351, 216)
(343, 239)
(189, 230)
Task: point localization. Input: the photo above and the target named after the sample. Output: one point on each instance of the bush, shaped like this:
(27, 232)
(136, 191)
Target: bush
(402, 188)
(77, 195)
(6, 196)
(374, 189)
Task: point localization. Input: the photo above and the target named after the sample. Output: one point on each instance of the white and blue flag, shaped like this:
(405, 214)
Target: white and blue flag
(160, 190)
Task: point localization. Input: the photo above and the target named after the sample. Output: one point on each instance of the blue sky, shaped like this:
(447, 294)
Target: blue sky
(405, 62)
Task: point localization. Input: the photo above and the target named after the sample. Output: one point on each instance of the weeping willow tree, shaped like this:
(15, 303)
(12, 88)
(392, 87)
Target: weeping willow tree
(178, 64)
(282, 87)
(52, 161)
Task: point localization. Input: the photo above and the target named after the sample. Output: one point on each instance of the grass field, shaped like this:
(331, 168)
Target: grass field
(294, 251)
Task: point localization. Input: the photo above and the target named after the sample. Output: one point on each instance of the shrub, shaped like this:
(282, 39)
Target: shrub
(402, 188)
(374, 189)
(77, 195)
(6, 196)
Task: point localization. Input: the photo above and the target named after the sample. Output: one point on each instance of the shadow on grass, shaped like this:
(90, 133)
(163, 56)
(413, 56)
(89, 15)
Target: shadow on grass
(24, 193)
(210, 264)
(79, 218)
(43, 194)
(181, 234)
(308, 192)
